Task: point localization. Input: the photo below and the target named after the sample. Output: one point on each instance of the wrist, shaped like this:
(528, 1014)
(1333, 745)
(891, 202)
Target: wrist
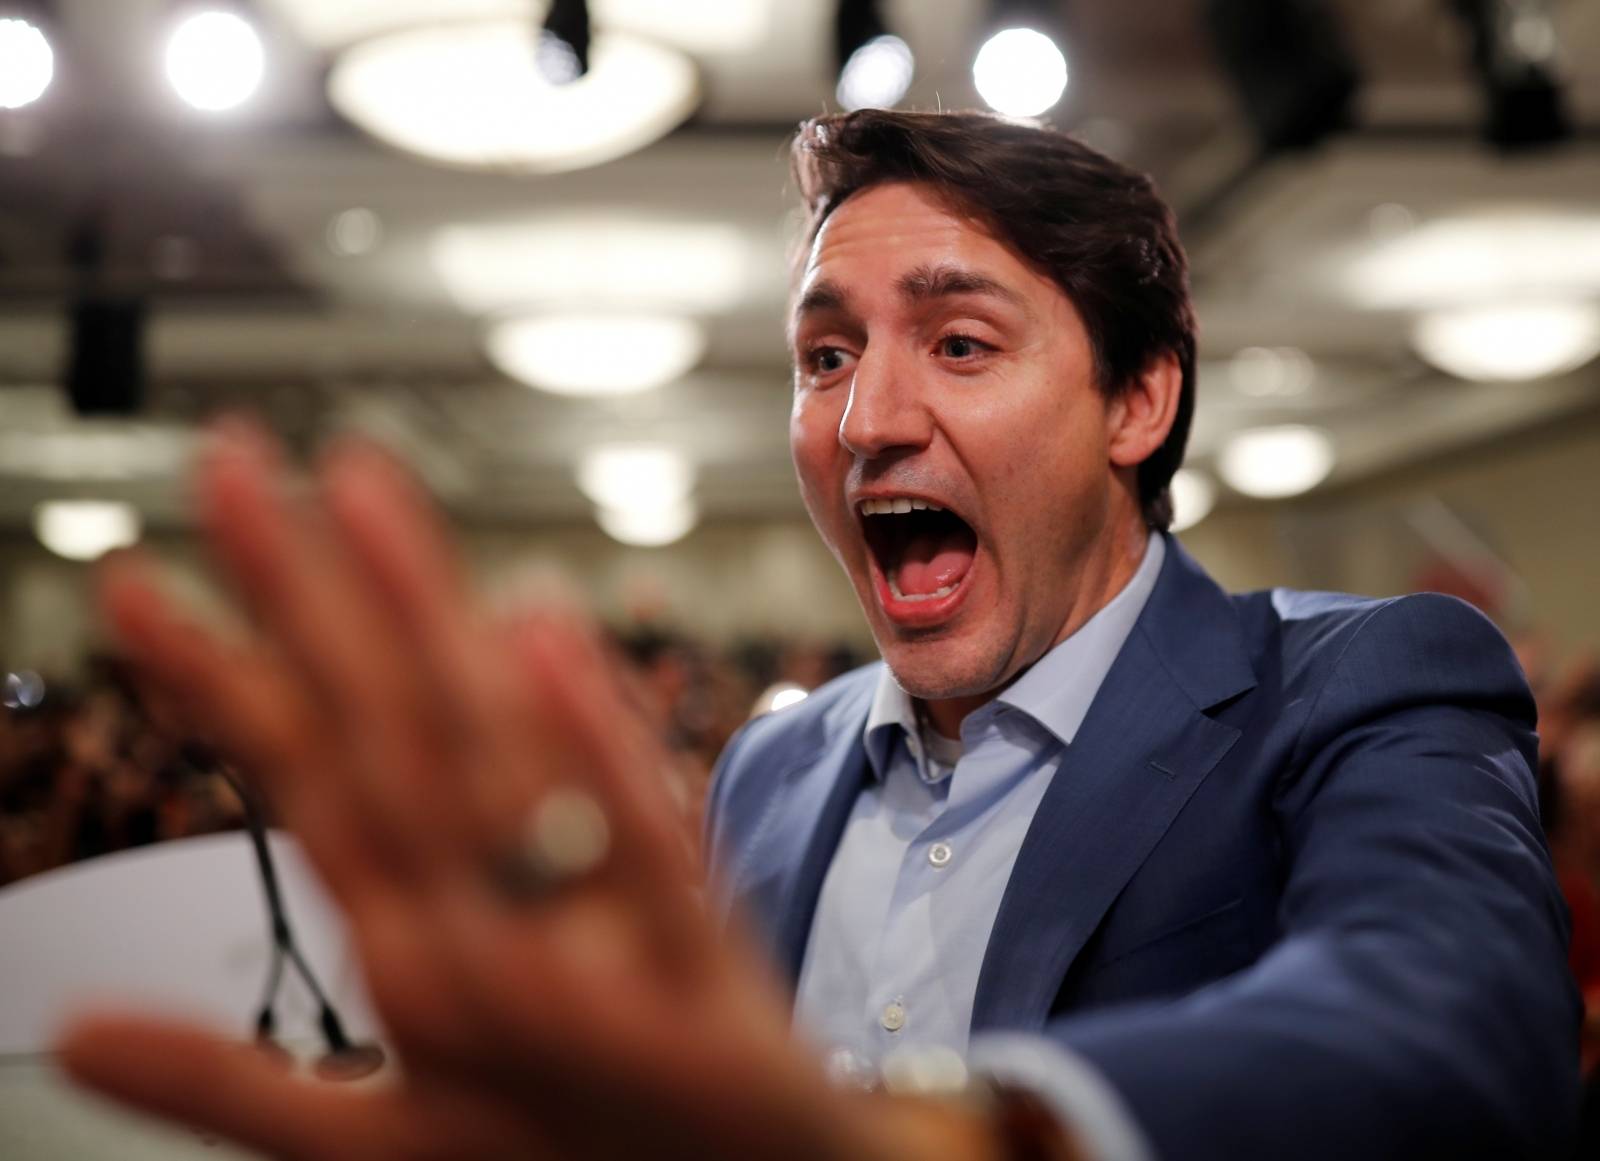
(914, 1128)
(929, 1115)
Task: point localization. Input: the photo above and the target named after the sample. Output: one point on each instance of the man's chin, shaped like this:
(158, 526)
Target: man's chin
(936, 669)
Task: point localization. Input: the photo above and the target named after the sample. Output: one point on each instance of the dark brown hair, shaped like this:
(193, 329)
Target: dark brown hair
(1096, 228)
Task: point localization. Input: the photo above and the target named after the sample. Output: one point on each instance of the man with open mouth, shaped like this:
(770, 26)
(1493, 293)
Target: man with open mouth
(1214, 876)
(1099, 862)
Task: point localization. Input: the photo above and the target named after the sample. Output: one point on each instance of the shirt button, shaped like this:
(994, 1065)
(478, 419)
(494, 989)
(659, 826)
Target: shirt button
(894, 1017)
(939, 854)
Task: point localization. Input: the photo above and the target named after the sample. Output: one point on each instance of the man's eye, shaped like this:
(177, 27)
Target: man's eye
(960, 347)
(826, 360)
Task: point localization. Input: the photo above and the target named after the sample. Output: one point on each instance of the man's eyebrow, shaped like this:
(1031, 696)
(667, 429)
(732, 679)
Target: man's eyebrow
(928, 282)
(820, 296)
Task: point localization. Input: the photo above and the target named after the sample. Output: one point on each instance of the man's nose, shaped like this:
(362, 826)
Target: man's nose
(885, 411)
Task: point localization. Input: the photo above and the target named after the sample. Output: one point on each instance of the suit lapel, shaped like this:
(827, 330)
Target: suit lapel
(831, 802)
(1142, 751)
(782, 878)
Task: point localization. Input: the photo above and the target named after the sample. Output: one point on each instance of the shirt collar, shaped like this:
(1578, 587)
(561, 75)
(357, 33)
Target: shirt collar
(1056, 691)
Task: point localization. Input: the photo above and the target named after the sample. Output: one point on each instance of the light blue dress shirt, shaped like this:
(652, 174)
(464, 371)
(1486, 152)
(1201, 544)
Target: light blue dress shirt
(908, 902)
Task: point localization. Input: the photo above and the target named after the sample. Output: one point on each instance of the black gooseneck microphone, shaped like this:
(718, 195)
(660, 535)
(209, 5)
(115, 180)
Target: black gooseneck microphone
(344, 1059)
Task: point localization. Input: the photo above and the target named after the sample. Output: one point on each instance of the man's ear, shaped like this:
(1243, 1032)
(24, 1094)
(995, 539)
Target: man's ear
(1142, 415)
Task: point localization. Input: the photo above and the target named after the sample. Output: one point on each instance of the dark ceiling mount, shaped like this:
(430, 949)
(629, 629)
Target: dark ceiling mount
(1289, 63)
(1514, 54)
(563, 46)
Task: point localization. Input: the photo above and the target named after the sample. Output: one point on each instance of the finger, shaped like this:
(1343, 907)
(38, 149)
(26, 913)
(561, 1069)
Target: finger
(316, 608)
(578, 713)
(218, 1086)
(391, 530)
(242, 701)
(578, 708)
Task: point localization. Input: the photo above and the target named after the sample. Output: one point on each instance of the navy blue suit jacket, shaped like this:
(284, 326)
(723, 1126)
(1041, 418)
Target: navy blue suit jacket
(1288, 891)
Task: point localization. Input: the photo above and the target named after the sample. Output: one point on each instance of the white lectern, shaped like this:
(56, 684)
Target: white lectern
(181, 928)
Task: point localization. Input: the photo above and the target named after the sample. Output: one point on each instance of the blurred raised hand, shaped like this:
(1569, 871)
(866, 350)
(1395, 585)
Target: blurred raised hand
(407, 738)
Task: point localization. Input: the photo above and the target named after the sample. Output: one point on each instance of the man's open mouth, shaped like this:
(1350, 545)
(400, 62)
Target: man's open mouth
(924, 551)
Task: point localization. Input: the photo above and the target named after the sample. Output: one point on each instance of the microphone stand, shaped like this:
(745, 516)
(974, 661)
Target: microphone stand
(343, 1060)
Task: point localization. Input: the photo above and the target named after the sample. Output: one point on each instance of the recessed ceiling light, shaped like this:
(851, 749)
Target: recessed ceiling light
(26, 64)
(649, 527)
(595, 354)
(1510, 342)
(708, 26)
(1481, 259)
(1193, 497)
(635, 476)
(85, 529)
(1266, 372)
(214, 60)
(877, 74)
(589, 261)
(472, 95)
(354, 232)
(1273, 462)
(1020, 72)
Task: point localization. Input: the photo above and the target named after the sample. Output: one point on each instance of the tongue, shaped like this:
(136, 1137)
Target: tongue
(930, 562)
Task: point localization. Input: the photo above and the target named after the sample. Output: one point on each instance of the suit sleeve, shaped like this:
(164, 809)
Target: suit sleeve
(716, 841)
(1418, 1003)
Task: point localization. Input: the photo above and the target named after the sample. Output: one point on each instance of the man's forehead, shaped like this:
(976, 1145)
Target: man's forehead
(891, 215)
(906, 237)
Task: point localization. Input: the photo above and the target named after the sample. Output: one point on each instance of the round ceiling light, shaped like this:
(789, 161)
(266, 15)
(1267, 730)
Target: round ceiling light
(595, 354)
(1193, 497)
(1264, 372)
(1511, 342)
(648, 527)
(613, 261)
(215, 61)
(472, 95)
(1273, 462)
(85, 529)
(635, 476)
(1020, 72)
(26, 64)
(1480, 259)
(877, 74)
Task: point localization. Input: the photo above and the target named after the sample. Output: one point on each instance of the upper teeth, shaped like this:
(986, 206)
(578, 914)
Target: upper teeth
(897, 506)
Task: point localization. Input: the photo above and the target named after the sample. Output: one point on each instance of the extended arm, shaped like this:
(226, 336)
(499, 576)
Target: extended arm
(1418, 1003)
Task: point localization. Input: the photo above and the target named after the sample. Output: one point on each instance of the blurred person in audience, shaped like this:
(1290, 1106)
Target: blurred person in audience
(99, 772)
(1100, 861)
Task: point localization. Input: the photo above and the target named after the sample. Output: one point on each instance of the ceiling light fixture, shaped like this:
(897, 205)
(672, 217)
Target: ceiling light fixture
(584, 261)
(651, 527)
(595, 354)
(1020, 72)
(475, 94)
(354, 232)
(1267, 372)
(85, 529)
(875, 66)
(27, 63)
(1510, 342)
(635, 476)
(696, 26)
(1193, 496)
(215, 60)
(1480, 259)
(1274, 462)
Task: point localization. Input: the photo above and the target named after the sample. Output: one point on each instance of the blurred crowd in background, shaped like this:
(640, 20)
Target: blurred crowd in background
(100, 764)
